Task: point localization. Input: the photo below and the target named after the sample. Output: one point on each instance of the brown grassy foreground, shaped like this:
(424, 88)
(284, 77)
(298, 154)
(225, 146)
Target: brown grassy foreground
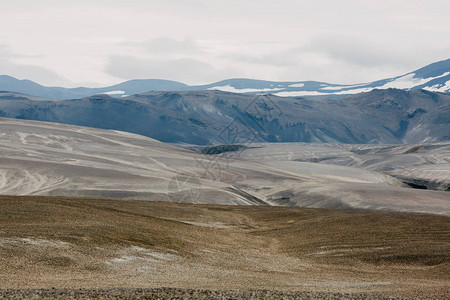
(50, 242)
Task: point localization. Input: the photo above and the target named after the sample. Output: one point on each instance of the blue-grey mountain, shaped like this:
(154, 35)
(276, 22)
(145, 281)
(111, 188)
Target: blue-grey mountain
(434, 77)
(389, 116)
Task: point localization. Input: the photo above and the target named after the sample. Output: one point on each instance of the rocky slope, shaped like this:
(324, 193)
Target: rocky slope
(214, 117)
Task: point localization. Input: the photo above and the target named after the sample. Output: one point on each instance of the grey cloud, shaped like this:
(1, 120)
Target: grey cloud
(347, 49)
(165, 45)
(187, 70)
(285, 59)
(361, 51)
(26, 71)
(334, 41)
(324, 57)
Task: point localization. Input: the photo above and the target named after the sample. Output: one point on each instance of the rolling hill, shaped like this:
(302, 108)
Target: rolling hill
(39, 158)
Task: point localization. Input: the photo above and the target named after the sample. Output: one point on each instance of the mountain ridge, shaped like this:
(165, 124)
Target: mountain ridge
(388, 116)
(433, 77)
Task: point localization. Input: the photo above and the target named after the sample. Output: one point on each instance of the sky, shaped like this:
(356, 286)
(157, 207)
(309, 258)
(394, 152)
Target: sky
(103, 42)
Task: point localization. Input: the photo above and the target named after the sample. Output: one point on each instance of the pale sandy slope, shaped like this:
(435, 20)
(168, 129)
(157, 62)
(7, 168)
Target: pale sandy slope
(38, 158)
(426, 164)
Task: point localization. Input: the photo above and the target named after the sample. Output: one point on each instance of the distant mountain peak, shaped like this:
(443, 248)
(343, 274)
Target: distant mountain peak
(433, 77)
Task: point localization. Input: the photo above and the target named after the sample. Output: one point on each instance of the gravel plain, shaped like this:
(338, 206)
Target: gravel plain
(174, 293)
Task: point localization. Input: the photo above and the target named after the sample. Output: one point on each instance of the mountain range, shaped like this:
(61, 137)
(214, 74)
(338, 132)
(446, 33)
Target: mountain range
(434, 77)
(390, 116)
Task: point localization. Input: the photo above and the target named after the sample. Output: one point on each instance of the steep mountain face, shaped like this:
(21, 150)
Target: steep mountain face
(434, 77)
(215, 117)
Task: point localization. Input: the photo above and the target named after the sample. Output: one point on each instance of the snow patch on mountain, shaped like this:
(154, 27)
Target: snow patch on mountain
(299, 85)
(229, 88)
(114, 93)
(354, 91)
(409, 81)
(341, 87)
(433, 77)
(443, 88)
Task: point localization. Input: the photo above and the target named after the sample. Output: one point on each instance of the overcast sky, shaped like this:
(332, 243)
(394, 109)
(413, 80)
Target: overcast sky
(103, 42)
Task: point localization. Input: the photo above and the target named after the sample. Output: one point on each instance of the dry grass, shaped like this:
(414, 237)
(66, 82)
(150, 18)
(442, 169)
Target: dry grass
(100, 243)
